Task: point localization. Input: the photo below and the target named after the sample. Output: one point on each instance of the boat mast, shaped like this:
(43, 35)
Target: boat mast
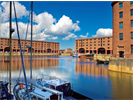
(10, 44)
(31, 38)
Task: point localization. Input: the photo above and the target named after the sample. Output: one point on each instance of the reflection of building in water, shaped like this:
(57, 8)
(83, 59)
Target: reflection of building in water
(37, 63)
(91, 69)
(122, 84)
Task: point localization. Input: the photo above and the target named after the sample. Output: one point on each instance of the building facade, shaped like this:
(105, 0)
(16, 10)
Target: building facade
(97, 45)
(122, 29)
(69, 50)
(37, 46)
(62, 51)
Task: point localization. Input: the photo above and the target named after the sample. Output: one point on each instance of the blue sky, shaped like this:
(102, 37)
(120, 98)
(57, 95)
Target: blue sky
(61, 21)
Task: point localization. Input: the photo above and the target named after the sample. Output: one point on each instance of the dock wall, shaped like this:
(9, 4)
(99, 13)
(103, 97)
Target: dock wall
(102, 56)
(121, 65)
(17, 54)
(66, 54)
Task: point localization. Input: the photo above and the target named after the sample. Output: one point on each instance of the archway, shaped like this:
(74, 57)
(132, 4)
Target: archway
(81, 50)
(48, 50)
(101, 51)
(29, 50)
(7, 49)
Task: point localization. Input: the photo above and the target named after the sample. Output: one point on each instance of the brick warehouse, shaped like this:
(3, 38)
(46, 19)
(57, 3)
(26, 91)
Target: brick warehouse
(97, 45)
(37, 46)
(122, 29)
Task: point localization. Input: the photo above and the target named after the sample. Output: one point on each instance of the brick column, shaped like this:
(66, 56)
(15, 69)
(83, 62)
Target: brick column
(111, 52)
(16, 50)
(96, 51)
(3, 50)
(85, 51)
(92, 51)
(105, 51)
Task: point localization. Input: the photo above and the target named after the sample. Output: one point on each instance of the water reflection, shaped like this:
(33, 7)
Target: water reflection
(90, 68)
(122, 85)
(36, 63)
(87, 78)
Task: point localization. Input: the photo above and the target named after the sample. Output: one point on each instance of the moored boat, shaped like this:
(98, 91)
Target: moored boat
(4, 94)
(59, 85)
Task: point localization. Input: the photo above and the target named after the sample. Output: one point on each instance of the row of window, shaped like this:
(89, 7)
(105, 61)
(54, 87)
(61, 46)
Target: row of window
(121, 4)
(121, 36)
(121, 13)
(121, 24)
(91, 42)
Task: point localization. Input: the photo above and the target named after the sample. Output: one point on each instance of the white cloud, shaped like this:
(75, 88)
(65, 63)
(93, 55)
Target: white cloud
(53, 38)
(71, 35)
(103, 32)
(61, 28)
(46, 26)
(20, 10)
(84, 36)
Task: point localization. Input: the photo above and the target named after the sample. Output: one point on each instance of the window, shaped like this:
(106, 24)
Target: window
(131, 2)
(108, 47)
(121, 36)
(121, 25)
(131, 11)
(120, 14)
(131, 48)
(108, 44)
(120, 5)
(131, 35)
(131, 23)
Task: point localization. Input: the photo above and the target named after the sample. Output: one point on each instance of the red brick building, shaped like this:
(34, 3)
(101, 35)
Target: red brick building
(122, 29)
(62, 51)
(37, 46)
(97, 45)
(69, 50)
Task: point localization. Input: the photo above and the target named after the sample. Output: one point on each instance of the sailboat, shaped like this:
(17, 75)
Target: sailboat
(29, 90)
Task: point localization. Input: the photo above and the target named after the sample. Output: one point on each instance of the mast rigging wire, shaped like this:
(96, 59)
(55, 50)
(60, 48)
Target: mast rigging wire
(25, 42)
(21, 52)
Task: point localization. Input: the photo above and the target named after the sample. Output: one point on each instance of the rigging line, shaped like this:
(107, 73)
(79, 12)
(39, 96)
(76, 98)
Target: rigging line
(31, 39)
(25, 42)
(21, 52)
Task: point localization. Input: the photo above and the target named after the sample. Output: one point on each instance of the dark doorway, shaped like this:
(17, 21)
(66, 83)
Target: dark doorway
(121, 54)
(101, 51)
(48, 50)
(108, 51)
(7, 49)
(81, 50)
